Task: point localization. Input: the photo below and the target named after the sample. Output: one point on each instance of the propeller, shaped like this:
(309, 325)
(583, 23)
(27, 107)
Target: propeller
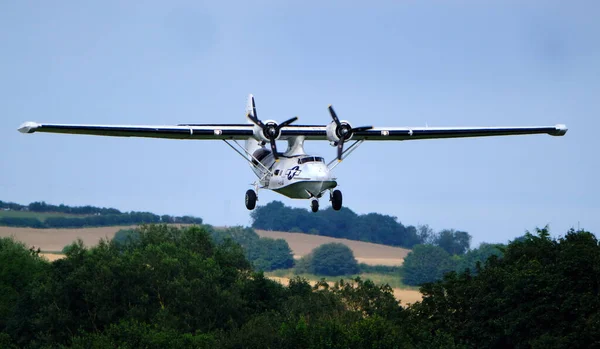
(344, 131)
(271, 130)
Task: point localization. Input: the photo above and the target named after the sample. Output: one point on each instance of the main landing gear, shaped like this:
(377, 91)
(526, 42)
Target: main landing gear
(251, 199)
(336, 200)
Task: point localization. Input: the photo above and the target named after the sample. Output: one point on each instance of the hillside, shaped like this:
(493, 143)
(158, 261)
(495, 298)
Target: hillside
(301, 244)
(365, 252)
(55, 239)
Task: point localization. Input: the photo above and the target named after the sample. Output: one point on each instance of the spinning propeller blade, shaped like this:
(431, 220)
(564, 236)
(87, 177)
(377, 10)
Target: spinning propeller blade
(344, 131)
(271, 130)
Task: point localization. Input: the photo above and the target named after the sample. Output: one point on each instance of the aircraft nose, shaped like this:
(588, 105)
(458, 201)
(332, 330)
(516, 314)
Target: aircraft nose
(322, 173)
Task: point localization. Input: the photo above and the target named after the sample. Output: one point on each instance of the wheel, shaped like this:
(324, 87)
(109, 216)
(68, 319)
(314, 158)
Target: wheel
(336, 200)
(314, 205)
(250, 199)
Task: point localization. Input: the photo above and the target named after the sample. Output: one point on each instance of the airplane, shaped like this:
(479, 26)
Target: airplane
(293, 173)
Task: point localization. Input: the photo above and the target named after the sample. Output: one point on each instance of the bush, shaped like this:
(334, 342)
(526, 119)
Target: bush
(425, 263)
(333, 259)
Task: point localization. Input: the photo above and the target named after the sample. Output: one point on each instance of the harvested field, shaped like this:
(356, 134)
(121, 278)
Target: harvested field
(365, 252)
(51, 257)
(405, 297)
(56, 239)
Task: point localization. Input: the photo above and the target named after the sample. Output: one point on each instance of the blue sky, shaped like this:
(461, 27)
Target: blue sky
(389, 63)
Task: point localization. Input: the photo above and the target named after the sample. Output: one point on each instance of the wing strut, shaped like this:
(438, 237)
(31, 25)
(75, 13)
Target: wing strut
(345, 154)
(247, 153)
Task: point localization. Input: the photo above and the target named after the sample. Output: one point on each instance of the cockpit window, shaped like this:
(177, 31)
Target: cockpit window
(311, 159)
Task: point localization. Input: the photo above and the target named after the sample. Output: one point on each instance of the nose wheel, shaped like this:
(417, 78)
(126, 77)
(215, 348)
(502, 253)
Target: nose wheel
(314, 205)
(251, 199)
(336, 200)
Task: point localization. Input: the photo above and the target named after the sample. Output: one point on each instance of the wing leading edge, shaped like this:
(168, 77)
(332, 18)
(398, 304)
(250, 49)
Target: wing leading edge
(229, 131)
(310, 132)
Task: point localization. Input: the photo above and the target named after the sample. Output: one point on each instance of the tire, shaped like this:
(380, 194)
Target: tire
(314, 205)
(250, 199)
(336, 200)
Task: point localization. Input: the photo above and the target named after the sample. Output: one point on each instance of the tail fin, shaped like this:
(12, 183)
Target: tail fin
(251, 143)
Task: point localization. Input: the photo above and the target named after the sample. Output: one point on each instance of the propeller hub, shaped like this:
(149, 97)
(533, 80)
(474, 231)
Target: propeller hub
(344, 131)
(271, 131)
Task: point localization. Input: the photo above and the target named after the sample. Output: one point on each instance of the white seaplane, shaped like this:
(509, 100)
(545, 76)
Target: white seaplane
(292, 173)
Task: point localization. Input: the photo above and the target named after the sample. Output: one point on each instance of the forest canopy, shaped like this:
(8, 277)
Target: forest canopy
(178, 288)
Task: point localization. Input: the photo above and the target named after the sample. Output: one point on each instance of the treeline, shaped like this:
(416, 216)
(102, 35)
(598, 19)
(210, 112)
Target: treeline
(176, 288)
(41, 206)
(90, 217)
(371, 227)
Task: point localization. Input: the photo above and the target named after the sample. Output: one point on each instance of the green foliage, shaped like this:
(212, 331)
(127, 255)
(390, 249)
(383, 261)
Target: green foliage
(452, 241)
(331, 259)
(480, 255)
(264, 253)
(372, 227)
(428, 263)
(21, 222)
(42, 215)
(177, 288)
(20, 267)
(425, 263)
(542, 293)
(126, 236)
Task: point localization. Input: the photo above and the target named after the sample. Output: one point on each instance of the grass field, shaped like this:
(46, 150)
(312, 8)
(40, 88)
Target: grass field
(39, 215)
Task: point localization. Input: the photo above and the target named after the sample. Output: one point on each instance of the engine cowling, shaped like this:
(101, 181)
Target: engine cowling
(334, 131)
(259, 132)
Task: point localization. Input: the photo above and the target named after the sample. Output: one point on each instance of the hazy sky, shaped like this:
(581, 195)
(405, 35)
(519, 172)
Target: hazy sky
(388, 63)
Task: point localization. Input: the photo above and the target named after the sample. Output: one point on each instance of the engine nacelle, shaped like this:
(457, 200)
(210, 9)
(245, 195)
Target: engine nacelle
(333, 132)
(258, 132)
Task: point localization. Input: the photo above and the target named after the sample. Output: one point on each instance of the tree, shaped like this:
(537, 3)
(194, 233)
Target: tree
(271, 254)
(19, 269)
(454, 242)
(426, 235)
(333, 259)
(542, 292)
(425, 263)
(479, 255)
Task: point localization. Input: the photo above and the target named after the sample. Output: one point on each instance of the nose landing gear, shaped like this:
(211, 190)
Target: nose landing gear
(314, 205)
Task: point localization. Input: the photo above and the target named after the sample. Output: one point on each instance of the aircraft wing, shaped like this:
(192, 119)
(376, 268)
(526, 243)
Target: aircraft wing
(310, 132)
(228, 131)
(413, 133)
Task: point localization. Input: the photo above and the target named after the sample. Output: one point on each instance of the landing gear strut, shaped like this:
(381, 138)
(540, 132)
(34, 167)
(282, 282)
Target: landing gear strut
(314, 205)
(336, 200)
(251, 199)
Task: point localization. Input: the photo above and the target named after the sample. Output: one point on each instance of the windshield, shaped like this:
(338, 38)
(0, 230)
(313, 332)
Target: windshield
(311, 159)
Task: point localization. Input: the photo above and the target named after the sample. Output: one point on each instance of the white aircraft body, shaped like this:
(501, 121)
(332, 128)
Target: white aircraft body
(292, 173)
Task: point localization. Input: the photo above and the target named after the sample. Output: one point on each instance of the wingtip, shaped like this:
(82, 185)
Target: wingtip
(28, 127)
(561, 130)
